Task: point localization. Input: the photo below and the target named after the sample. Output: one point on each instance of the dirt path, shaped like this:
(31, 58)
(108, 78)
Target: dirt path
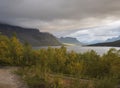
(8, 79)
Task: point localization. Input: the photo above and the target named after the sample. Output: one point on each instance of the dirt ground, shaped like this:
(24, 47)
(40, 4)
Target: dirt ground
(9, 80)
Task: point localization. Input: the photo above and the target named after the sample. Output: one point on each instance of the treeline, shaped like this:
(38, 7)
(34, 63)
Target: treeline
(38, 65)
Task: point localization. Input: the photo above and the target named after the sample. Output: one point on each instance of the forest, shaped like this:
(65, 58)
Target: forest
(58, 68)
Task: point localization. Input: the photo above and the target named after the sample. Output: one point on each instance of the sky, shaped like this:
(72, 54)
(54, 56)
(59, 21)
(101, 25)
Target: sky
(87, 20)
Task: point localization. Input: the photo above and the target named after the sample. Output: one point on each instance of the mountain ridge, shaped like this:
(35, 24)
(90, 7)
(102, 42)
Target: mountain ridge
(112, 44)
(69, 40)
(31, 35)
(113, 39)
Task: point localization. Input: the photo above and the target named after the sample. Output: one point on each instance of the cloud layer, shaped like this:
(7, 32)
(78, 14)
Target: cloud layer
(49, 11)
(97, 34)
(60, 15)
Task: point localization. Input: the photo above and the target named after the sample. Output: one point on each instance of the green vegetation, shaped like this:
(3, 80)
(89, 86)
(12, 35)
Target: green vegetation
(57, 68)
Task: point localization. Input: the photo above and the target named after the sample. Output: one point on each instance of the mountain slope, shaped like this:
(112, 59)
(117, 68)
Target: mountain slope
(32, 36)
(69, 40)
(113, 39)
(115, 44)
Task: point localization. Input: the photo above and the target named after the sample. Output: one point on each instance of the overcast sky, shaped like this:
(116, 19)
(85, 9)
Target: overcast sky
(87, 20)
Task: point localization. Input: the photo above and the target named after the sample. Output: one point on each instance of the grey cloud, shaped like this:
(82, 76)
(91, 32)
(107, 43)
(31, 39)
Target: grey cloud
(47, 10)
(96, 34)
(64, 16)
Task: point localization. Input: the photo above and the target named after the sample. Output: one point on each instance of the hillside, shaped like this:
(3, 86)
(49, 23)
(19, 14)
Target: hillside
(113, 39)
(32, 36)
(69, 40)
(115, 44)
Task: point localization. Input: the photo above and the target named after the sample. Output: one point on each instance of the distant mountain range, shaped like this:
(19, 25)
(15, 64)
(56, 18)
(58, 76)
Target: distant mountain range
(115, 44)
(69, 40)
(113, 39)
(32, 36)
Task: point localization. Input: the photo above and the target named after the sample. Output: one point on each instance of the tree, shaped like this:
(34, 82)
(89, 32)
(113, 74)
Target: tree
(16, 49)
(4, 49)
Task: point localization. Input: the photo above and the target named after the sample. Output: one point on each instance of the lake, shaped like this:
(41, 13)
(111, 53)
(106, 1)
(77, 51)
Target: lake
(82, 49)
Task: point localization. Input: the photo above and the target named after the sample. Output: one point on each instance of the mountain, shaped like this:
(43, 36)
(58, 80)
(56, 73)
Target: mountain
(94, 42)
(69, 40)
(113, 39)
(32, 36)
(115, 44)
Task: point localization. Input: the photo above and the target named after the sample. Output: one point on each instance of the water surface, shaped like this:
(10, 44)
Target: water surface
(82, 49)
